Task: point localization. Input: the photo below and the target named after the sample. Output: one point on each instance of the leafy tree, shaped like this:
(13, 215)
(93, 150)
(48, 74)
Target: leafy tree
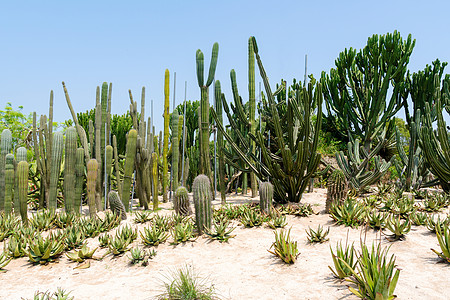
(19, 124)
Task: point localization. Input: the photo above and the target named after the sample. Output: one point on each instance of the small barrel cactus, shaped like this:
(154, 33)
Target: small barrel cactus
(116, 205)
(265, 197)
(181, 202)
(337, 188)
(202, 202)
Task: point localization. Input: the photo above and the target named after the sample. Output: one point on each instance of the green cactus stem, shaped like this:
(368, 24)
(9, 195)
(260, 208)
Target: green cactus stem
(155, 180)
(220, 144)
(265, 197)
(181, 202)
(130, 156)
(165, 181)
(69, 168)
(22, 171)
(116, 205)
(175, 149)
(202, 202)
(79, 180)
(337, 188)
(92, 173)
(9, 182)
(5, 145)
(57, 150)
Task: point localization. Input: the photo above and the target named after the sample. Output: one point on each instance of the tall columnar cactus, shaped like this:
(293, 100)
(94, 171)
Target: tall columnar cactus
(22, 171)
(9, 182)
(205, 167)
(98, 151)
(116, 167)
(252, 108)
(165, 182)
(21, 154)
(265, 197)
(108, 163)
(181, 202)
(79, 180)
(175, 149)
(116, 205)
(337, 188)
(57, 150)
(92, 173)
(202, 202)
(155, 180)
(220, 144)
(130, 156)
(69, 168)
(5, 145)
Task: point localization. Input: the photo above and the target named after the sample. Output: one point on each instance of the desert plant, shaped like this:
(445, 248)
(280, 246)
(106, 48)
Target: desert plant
(63, 220)
(418, 218)
(42, 251)
(317, 236)
(138, 256)
(277, 220)
(202, 202)
(432, 204)
(103, 240)
(127, 233)
(376, 219)
(142, 216)
(110, 221)
(284, 248)
(43, 220)
(181, 203)
(117, 206)
(337, 188)
(252, 218)
(433, 223)
(266, 197)
(221, 232)
(182, 233)
(154, 235)
(91, 226)
(118, 245)
(344, 260)
(162, 222)
(60, 294)
(443, 236)
(349, 213)
(81, 255)
(398, 228)
(74, 237)
(16, 246)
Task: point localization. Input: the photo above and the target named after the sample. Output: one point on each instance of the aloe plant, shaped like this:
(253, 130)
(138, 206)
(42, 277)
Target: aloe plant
(317, 236)
(153, 236)
(42, 251)
(221, 231)
(284, 248)
(443, 236)
(344, 260)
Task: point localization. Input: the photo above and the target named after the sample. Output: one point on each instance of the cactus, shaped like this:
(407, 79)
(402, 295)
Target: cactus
(98, 151)
(155, 180)
(130, 156)
(116, 205)
(5, 145)
(337, 188)
(22, 171)
(265, 197)
(69, 168)
(108, 162)
(165, 181)
(252, 108)
(220, 143)
(202, 202)
(21, 154)
(205, 167)
(9, 182)
(181, 202)
(92, 173)
(79, 179)
(57, 149)
(175, 149)
(116, 167)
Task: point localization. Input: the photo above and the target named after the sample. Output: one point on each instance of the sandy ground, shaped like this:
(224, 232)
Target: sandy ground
(239, 269)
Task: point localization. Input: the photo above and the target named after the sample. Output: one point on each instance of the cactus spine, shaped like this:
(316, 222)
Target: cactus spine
(79, 180)
(175, 149)
(205, 167)
(220, 144)
(337, 189)
(57, 149)
(155, 180)
(9, 182)
(202, 202)
(69, 168)
(22, 171)
(116, 205)
(130, 156)
(181, 202)
(92, 173)
(265, 197)
(5, 144)
(165, 181)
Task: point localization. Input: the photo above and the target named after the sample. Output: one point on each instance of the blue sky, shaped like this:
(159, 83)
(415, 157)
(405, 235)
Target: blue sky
(84, 43)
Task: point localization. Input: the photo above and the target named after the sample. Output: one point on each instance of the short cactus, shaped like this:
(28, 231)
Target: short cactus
(181, 202)
(265, 197)
(116, 205)
(202, 202)
(22, 172)
(337, 188)
(92, 172)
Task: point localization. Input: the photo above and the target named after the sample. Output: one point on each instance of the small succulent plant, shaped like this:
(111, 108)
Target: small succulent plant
(344, 260)
(221, 231)
(349, 213)
(142, 216)
(42, 251)
(284, 248)
(4, 261)
(398, 227)
(104, 240)
(81, 255)
(277, 220)
(182, 232)
(118, 245)
(443, 236)
(154, 235)
(317, 236)
(74, 237)
(127, 232)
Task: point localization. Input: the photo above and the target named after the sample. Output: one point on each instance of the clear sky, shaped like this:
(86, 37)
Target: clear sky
(131, 43)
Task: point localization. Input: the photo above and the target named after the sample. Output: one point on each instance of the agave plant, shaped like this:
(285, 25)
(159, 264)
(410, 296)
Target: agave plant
(8, 224)
(317, 236)
(127, 232)
(4, 261)
(349, 213)
(154, 235)
(43, 220)
(81, 255)
(432, 204)
(42, 251)
(387, 203)
(62, 220)
(376, 220)
(110, 221)
(344, 260)
(60, 294)
(277, 220)
(398, 228)
(17, 246)
(435, 223)
(182, 233)
(74, 237)
(419, 218)
(221, 232)
(177, 219)
(374, 274)
(162, 222)
(443, 236)
(91, 226)
(284, 248)
(142, 216)
(139, 255)
(299, 210)
(403, 207)
(252, 218)
(104, 240)
(118, 245)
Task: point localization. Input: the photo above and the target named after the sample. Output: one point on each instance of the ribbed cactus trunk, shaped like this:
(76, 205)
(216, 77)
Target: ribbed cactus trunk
(175, 149)
(116, 204)
(130, 156)
(202, 202)
(69, 168)
(9, 182)
(21, 155)
(265, 197)
(98, 151)
(79, 180)
(337, 188)
(116, 167)
(252, 109)
(165, 182)
(92, 173)
(181, 202)
(220, 143)
(22, 171)
(108, 162)
(57, 150)
(5, 144)
(155, 180)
